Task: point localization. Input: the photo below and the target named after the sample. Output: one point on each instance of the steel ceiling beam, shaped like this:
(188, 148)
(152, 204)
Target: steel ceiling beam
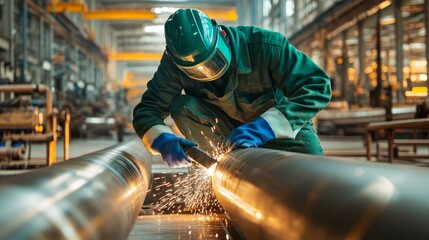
(134, 56)
(168, 2)
(117, 14)
(228, 14)
(57, 7)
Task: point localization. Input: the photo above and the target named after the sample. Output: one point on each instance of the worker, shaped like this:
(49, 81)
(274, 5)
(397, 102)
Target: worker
(230, 87)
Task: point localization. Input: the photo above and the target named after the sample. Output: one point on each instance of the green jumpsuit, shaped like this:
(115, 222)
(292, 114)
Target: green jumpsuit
(267, 77)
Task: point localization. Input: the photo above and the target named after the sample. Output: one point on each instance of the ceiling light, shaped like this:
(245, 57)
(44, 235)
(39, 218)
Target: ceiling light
(388, 20)
(161, 10)
(154, 29)
(384, 4)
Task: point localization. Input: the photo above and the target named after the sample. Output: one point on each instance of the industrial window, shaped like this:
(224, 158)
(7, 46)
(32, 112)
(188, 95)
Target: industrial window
(414, 50)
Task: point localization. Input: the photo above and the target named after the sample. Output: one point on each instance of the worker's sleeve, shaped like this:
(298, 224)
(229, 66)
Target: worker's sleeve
(149, 114)
(306, 89)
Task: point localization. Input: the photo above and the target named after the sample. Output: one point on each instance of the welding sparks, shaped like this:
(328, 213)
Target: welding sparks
(211, 170)
(197, 193)
(190, 192)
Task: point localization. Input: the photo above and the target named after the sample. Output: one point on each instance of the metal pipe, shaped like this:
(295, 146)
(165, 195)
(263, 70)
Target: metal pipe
(95, 196)
(271, 194)
(30, 88)
(12, 153)
(51, 118)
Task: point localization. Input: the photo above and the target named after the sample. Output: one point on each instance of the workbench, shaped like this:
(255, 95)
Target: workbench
(389, 128)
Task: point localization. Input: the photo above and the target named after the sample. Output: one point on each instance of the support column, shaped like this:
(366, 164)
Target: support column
(344, 75)
(9, 10)
(427, 44)
(361, 54)
(41, 56)
(24, 35)
(399, 31)
(378, 61)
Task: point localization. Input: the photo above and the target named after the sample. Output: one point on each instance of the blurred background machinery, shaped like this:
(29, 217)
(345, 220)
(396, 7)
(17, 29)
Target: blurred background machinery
(28, 116)
(96, 56)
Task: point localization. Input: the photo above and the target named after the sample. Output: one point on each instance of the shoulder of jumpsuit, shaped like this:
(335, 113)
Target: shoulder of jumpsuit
(240, 52)
(243, 36)
(256, 35)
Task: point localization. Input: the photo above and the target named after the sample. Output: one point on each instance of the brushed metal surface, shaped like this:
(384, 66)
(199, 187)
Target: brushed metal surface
(96, 196)
(280, 195)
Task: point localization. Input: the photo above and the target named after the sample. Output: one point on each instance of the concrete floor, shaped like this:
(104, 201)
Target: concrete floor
(183, 226)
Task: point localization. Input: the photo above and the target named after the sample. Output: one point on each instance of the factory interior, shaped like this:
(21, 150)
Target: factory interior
(72, 166)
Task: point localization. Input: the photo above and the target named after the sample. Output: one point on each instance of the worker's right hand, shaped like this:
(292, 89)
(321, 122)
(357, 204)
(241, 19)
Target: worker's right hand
(171, 149)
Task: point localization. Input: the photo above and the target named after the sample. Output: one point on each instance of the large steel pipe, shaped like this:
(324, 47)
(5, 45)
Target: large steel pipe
(279, 195)
(96, 196)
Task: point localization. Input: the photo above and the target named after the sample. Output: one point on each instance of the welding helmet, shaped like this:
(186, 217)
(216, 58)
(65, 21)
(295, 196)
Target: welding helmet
(197, 45)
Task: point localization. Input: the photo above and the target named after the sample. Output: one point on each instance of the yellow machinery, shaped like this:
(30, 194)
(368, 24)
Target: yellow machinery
(31, 124)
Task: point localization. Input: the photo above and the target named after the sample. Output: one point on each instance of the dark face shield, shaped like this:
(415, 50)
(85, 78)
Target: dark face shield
(213, 68)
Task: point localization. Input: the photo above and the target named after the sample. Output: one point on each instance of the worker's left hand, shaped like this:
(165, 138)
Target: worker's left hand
(249, 135)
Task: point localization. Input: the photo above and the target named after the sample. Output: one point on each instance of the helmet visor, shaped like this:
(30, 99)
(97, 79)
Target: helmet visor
(214, 67)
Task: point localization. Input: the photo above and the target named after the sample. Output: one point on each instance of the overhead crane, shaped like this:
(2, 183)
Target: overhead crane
(118, 14)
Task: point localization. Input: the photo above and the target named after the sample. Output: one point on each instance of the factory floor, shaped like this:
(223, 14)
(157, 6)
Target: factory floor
(343, 147)
(183, 226)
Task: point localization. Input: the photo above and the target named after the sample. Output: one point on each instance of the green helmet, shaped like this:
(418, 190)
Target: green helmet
(197, 45)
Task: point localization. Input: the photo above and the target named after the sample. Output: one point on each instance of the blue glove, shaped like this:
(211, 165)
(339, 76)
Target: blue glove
(171, 149)
(249, 135)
